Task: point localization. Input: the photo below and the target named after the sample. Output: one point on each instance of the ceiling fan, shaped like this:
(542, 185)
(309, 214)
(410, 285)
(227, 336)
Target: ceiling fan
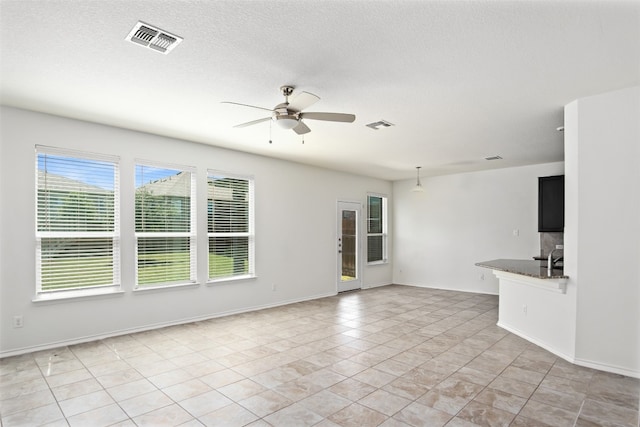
(289, 115)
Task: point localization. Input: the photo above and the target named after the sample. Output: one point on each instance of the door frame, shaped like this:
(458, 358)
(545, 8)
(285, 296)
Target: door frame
(343, 286)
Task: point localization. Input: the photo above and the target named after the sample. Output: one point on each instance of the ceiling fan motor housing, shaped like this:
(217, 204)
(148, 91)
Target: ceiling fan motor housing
(287, 120)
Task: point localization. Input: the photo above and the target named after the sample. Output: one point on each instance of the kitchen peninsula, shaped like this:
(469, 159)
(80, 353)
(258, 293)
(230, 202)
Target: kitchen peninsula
(534, 303)
(536, 272)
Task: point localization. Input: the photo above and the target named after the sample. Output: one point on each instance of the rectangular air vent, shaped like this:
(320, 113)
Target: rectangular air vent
(154, 38)
(493, 158)
(382, 123)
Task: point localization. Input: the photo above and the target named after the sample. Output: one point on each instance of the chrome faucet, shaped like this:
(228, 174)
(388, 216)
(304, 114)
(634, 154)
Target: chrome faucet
(551, 261)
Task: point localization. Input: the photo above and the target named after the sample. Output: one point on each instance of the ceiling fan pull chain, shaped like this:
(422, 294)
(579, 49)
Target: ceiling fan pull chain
(270, 122)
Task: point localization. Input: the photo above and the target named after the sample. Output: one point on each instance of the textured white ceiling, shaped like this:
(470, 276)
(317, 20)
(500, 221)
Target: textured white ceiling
(460, 80)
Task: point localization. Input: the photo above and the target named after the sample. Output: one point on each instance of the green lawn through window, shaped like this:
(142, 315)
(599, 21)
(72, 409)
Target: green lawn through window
(82, 272)
(77, 272)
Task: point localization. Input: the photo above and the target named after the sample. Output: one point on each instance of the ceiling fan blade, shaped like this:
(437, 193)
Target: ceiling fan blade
(301, 129)
(302, 101)
(331, 117)
(253, 122)
(246, 105)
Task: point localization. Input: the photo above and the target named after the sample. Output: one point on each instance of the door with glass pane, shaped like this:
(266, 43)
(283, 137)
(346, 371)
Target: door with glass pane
(348, 246)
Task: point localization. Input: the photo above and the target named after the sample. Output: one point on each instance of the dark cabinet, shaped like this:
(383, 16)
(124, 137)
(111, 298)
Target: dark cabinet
(551, 203)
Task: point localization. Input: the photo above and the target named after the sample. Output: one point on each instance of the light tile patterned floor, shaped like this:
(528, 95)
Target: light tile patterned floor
(390, 356)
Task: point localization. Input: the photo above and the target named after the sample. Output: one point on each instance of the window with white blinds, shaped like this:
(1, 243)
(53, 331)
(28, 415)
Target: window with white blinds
(77, 221)
(165, 225)
(230, 226)
(376, 229)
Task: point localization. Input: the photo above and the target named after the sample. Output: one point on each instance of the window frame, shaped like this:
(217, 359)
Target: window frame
(41, 235)
(384, 234)
(250, 234)
(191, 235)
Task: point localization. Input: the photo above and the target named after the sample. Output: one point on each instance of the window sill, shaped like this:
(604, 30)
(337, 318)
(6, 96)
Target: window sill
(232, 279)
(76, 295)
(383, 262)
(173, 286)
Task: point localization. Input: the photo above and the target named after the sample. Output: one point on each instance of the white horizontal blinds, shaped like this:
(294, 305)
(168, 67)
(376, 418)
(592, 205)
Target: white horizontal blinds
(73, 263)
(77, 220)
(230, 225)
(164, 260)
(376, 233)
(165, 225)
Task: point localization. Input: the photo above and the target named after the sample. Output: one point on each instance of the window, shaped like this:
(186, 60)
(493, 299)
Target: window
(165, 226)
(376, 229)
(77, 221)
(230, 226)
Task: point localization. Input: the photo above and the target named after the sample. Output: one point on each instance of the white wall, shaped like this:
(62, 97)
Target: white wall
(462, 219)
(295, 234)
(602, 234)
(539, 312)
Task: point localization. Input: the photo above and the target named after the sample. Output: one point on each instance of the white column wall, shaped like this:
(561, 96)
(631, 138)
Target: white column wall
(295, 234)
(602, 236)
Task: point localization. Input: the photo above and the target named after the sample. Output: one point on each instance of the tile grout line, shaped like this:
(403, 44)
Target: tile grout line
(579, 412)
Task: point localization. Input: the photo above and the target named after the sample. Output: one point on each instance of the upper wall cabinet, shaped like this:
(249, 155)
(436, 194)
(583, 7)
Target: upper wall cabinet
(551, 203)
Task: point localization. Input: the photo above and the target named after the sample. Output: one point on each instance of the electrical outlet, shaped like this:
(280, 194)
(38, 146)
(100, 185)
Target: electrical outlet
(516, 232)
(18, 322)
(482, 276)
(524, 309)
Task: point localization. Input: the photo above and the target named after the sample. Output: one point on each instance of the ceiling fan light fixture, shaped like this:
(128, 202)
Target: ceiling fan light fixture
(418, 188)
(286, 121)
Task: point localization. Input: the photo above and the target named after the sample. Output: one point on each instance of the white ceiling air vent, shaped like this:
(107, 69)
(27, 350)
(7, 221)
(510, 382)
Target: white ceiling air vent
(154, 38)
(382, 123)
(493, 158)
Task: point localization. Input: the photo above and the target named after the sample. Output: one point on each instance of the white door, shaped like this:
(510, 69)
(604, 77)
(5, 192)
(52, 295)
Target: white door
(348, 246)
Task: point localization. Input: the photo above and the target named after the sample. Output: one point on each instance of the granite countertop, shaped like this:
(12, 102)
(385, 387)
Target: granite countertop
(525, 267)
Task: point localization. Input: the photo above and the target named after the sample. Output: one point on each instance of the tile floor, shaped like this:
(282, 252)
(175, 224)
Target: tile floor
(390, 356)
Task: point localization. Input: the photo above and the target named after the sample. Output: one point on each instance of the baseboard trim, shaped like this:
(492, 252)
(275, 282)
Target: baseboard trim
(575, 360)
(568, 357)
(376, 285)
(439, 288)
(608, 368)
(96, 337)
